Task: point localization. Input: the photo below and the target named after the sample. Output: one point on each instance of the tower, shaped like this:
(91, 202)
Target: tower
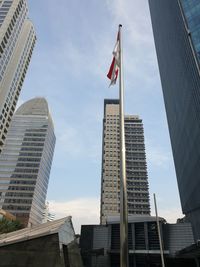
(136, 169)
(17, 40)
(177, 39)
(25, 162)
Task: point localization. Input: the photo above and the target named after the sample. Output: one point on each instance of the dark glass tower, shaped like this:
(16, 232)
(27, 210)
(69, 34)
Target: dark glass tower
(176, 26)
(191, 11)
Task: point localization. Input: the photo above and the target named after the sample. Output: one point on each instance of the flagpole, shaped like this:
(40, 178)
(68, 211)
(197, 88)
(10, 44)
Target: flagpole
(123, 188)
(159, 233)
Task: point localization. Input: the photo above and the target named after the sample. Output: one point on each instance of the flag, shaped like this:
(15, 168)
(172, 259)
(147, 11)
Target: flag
(115, 65)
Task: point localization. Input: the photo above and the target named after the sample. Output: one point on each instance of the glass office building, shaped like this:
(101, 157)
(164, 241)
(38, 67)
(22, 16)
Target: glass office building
(25, 162)
(136, 167)
(176, 27)
(17, 40)
(191, 10)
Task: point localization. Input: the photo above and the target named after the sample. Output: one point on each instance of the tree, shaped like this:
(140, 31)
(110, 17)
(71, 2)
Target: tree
(7, 226)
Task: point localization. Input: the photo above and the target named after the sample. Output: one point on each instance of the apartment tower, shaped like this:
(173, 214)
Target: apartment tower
(25, 162)
(176, 27)
(136, 167)
(17, 40)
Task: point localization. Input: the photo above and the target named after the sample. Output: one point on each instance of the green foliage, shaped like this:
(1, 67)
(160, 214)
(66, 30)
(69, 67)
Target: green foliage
(7, 226)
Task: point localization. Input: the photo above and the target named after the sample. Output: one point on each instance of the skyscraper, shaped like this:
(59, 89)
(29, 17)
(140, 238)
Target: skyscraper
(136, 169)
(47, 215)
(17, 40)
(25, 162)
(176, 25)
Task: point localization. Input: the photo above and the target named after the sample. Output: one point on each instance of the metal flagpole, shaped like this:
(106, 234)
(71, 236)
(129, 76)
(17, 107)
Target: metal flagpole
(123, 190)
(159, 234)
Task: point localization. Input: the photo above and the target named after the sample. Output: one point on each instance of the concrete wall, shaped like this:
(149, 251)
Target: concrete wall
(39, 252)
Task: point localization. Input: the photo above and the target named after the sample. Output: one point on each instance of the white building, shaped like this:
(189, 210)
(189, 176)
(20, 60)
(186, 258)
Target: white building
(25, 162)
(17, 40)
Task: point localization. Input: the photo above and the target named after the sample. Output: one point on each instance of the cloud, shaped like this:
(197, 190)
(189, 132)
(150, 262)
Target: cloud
(82, 210)
(70, 142)
(139, 54)
(86, 211)
(156, 156)
(78, 142)
(168, 212)
(89, 53)
(80, 63)
(128, 13)
(170, 215)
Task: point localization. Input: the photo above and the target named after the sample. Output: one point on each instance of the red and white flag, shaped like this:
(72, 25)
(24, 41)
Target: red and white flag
(115, 65)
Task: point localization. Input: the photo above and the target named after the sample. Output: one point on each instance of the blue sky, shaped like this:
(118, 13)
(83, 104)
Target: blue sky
(73, 52)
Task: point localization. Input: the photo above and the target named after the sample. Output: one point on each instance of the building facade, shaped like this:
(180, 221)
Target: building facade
(136, 168)
(100, 244)
(25, 162)
(176, 27)
(17, 40)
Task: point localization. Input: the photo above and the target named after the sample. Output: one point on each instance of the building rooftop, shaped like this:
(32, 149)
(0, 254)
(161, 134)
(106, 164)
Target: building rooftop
(133, 219)
(36, 231)
(37, 106)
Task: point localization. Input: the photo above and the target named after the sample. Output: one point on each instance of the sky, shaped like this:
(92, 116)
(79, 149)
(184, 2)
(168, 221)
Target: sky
(70, 61)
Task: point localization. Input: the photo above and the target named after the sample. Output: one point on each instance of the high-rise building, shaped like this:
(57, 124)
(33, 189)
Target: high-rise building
(47, 215)
(17, 40)
(136, 167)
(25, 162)
(176, 27)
